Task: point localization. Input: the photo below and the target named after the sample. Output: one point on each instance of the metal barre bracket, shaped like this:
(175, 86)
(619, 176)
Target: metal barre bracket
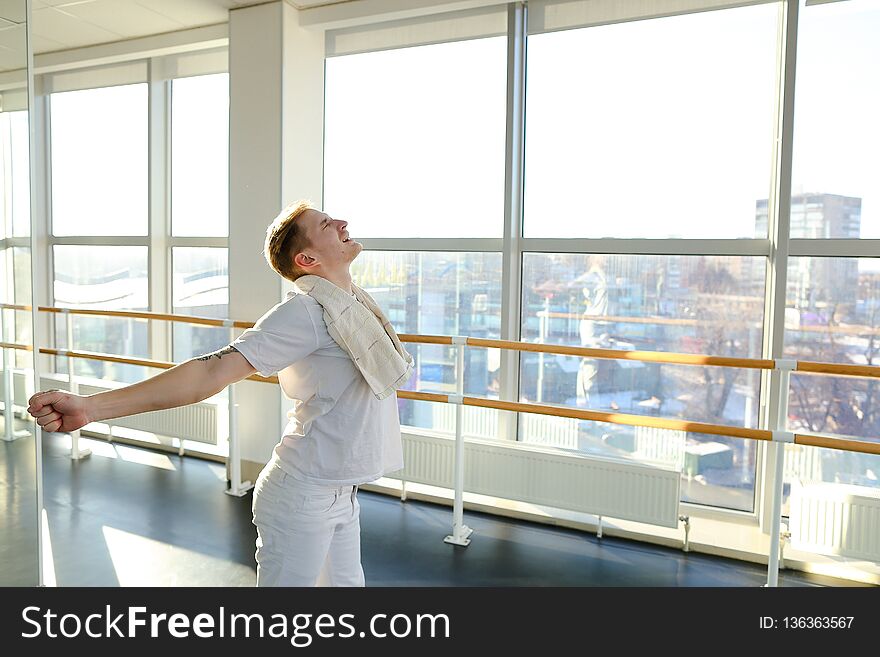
(455, 399)
(785, 364)
(459, 339)
(782, 436)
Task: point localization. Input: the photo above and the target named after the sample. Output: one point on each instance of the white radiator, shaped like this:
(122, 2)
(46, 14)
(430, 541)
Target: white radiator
(606, 487)
(835, 519)
(202, 422)
(550, 431)
(803, 463)
(476, 422)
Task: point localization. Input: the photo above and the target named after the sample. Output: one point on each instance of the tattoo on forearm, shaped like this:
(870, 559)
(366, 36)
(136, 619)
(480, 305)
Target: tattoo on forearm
(218, 354)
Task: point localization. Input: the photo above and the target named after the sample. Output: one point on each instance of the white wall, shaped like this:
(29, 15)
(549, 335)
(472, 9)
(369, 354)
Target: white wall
(276, 152)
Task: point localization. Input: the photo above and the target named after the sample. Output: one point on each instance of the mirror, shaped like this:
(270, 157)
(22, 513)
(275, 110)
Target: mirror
(19, 510)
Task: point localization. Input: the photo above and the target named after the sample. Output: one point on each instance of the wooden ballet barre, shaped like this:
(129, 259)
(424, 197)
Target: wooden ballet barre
(845, 444)
(627, 419)
(15, 345)
(139, 314)
(425, 339)
(423, 396)
(669, 358)
(647, 421)
(621, 418)
(144, 362)
(838, 369)
(854, 329)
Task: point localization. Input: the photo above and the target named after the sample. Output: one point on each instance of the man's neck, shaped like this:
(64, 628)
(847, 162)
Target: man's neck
(341, 279)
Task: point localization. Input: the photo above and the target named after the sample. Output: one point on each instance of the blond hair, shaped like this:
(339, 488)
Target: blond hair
(285, 238)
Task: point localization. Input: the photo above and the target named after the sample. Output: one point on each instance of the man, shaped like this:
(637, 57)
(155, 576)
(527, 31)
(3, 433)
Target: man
(339, 435)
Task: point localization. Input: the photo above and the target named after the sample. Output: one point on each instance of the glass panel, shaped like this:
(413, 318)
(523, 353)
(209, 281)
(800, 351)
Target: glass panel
(99, 161)
(439, 293)
(14, 163)
(833, 315)
(654, 129)
(691, 304)
(19, 514)
(200, 287)
(200, 156)
(109, 278)
(836, 133)
(414, 140)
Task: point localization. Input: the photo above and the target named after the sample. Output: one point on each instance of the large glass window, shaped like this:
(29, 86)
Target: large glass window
(99, 161)
(441, 293)
(690, 304)
(414, 140)
(200, 156)
(836, 132)
(14, 163)
(833, 303)
(107, 278)
(16, 221)
(651, 129)
(833, 315)
(200, 287)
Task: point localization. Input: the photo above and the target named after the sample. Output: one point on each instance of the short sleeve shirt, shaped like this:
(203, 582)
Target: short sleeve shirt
(338, 432)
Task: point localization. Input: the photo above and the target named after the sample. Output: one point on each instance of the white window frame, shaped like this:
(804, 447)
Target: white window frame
(775, 248)
(203, 57)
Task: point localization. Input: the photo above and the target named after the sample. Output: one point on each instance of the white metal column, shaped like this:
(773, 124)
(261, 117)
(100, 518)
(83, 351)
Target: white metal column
(780, 438)
(75, 452)
(460, 531)
(39, 246)
(511, 285)
(159, 256)
(237, 487)
(779, 210)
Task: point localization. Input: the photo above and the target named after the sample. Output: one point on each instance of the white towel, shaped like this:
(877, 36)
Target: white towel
(372, 345)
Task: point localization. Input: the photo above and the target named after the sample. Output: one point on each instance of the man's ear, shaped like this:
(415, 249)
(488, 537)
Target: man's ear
(304, 260)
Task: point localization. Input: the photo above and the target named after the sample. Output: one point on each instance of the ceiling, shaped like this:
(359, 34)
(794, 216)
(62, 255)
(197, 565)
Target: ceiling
(65, 24)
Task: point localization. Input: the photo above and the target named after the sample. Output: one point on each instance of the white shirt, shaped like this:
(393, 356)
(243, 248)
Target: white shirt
(338, 433)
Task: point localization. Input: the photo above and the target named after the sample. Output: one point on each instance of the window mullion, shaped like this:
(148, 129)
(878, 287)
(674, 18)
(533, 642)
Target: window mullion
(779, 207)
(511, 268)
(159, 193)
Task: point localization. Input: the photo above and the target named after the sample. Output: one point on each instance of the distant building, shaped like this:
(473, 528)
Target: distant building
(817, 282)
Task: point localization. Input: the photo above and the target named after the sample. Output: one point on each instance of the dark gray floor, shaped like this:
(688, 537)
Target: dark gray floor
(115, 521)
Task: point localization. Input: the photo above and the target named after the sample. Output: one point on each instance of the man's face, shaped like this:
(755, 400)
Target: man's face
(329, 244)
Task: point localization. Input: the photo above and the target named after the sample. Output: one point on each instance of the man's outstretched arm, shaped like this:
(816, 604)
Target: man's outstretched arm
(187, 383)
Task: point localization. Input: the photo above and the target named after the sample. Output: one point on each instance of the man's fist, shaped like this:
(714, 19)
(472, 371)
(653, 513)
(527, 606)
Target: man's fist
(57, 410)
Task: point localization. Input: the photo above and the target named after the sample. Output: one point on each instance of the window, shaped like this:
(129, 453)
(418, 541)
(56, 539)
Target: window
(16, 223)
(833, 315)
(678, 144)
(651, 129)
(689, 304)
(441, 293)
(200, 287)
(99, 161)
(836, 133)
(414, 140)
(832, 301)
(200, 156)
(14, 163)
(107, 278)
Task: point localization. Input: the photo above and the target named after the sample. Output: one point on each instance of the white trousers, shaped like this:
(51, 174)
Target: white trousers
(307, 535)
